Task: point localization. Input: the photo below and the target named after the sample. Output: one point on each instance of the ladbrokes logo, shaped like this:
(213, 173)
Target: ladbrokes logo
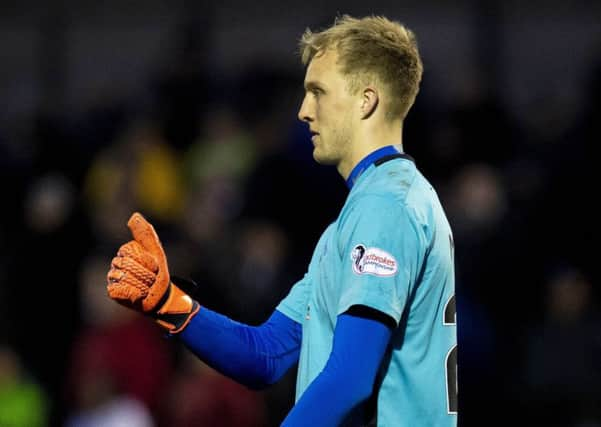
(373, 261)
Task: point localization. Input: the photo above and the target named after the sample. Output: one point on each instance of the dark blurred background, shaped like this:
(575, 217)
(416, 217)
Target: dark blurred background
(186, 111)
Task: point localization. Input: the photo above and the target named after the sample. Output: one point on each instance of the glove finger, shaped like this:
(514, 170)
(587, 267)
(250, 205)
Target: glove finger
(134, 250)
(115, 275)
(122, 285)
(130, 266)
(124, 293)
(143, 232)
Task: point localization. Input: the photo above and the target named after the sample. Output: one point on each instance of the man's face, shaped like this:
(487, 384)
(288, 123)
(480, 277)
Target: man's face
(328, 109)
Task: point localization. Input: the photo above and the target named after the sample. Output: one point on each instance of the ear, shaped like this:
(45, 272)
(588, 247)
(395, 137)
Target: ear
(369, 102)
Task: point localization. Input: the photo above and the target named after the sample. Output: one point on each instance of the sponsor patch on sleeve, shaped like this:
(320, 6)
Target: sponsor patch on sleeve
(373, 261)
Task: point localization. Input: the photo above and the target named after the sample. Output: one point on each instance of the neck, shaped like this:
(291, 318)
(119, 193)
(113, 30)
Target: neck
(368, 141)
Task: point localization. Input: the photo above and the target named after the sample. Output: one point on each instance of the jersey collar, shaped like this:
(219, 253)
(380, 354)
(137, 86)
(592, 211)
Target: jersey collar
(378, 157)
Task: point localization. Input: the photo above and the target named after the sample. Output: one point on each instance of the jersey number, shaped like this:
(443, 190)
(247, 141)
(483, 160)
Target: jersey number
(450, 315)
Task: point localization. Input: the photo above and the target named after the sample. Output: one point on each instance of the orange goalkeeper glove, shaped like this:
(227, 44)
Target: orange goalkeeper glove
(139, 279)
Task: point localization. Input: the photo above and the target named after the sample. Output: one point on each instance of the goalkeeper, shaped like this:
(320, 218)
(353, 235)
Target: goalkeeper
(372, 322)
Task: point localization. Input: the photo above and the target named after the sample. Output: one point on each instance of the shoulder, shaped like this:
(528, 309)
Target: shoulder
(375, 202)
(379, 210)
(386, 191)
(395, 197)
(393, 182)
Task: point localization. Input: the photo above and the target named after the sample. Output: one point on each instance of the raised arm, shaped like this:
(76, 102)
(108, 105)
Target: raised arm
(255, 356)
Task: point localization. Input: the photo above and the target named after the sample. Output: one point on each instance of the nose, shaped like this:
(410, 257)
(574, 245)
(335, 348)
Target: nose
(304, 113)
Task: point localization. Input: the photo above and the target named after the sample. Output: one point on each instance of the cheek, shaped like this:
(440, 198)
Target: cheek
(326, 112)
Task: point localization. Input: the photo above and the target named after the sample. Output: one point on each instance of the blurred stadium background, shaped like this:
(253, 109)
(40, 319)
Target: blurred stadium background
(186, 110)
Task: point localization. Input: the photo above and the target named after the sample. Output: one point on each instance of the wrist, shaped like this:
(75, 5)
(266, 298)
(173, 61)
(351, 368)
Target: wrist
(176, 309)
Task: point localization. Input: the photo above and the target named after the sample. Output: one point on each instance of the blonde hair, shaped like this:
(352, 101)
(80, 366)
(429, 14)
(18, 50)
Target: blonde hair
(372, 49)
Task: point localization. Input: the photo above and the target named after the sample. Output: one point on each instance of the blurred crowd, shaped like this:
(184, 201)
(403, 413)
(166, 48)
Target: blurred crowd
(224, 171)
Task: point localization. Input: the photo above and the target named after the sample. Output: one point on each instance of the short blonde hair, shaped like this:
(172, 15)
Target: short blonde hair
(372, 49)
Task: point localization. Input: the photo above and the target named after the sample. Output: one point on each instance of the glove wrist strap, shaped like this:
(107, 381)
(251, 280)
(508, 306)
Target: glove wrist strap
(177, 308)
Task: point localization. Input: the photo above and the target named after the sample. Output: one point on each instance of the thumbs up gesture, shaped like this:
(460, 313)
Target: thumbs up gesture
(139, 279)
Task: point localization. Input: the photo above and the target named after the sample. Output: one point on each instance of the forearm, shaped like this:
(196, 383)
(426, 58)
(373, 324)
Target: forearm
(252, 355)
(328, 400)
(347, 379)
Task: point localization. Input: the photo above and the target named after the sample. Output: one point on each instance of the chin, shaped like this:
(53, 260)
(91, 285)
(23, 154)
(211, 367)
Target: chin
(317, 159)
(322, 159)
(317, 155)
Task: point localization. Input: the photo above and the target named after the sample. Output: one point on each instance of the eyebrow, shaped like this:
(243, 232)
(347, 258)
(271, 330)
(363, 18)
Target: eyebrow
(311, 85)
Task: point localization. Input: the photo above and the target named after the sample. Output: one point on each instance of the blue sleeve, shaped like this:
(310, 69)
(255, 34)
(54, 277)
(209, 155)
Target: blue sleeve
(255, 356)
(347, 379)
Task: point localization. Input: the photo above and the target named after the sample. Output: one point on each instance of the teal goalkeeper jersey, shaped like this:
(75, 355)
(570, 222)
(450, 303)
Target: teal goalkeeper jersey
(391, 248)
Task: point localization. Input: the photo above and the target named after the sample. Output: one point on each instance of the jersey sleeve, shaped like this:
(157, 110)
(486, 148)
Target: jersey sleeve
(382, 247)
(294, 305)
